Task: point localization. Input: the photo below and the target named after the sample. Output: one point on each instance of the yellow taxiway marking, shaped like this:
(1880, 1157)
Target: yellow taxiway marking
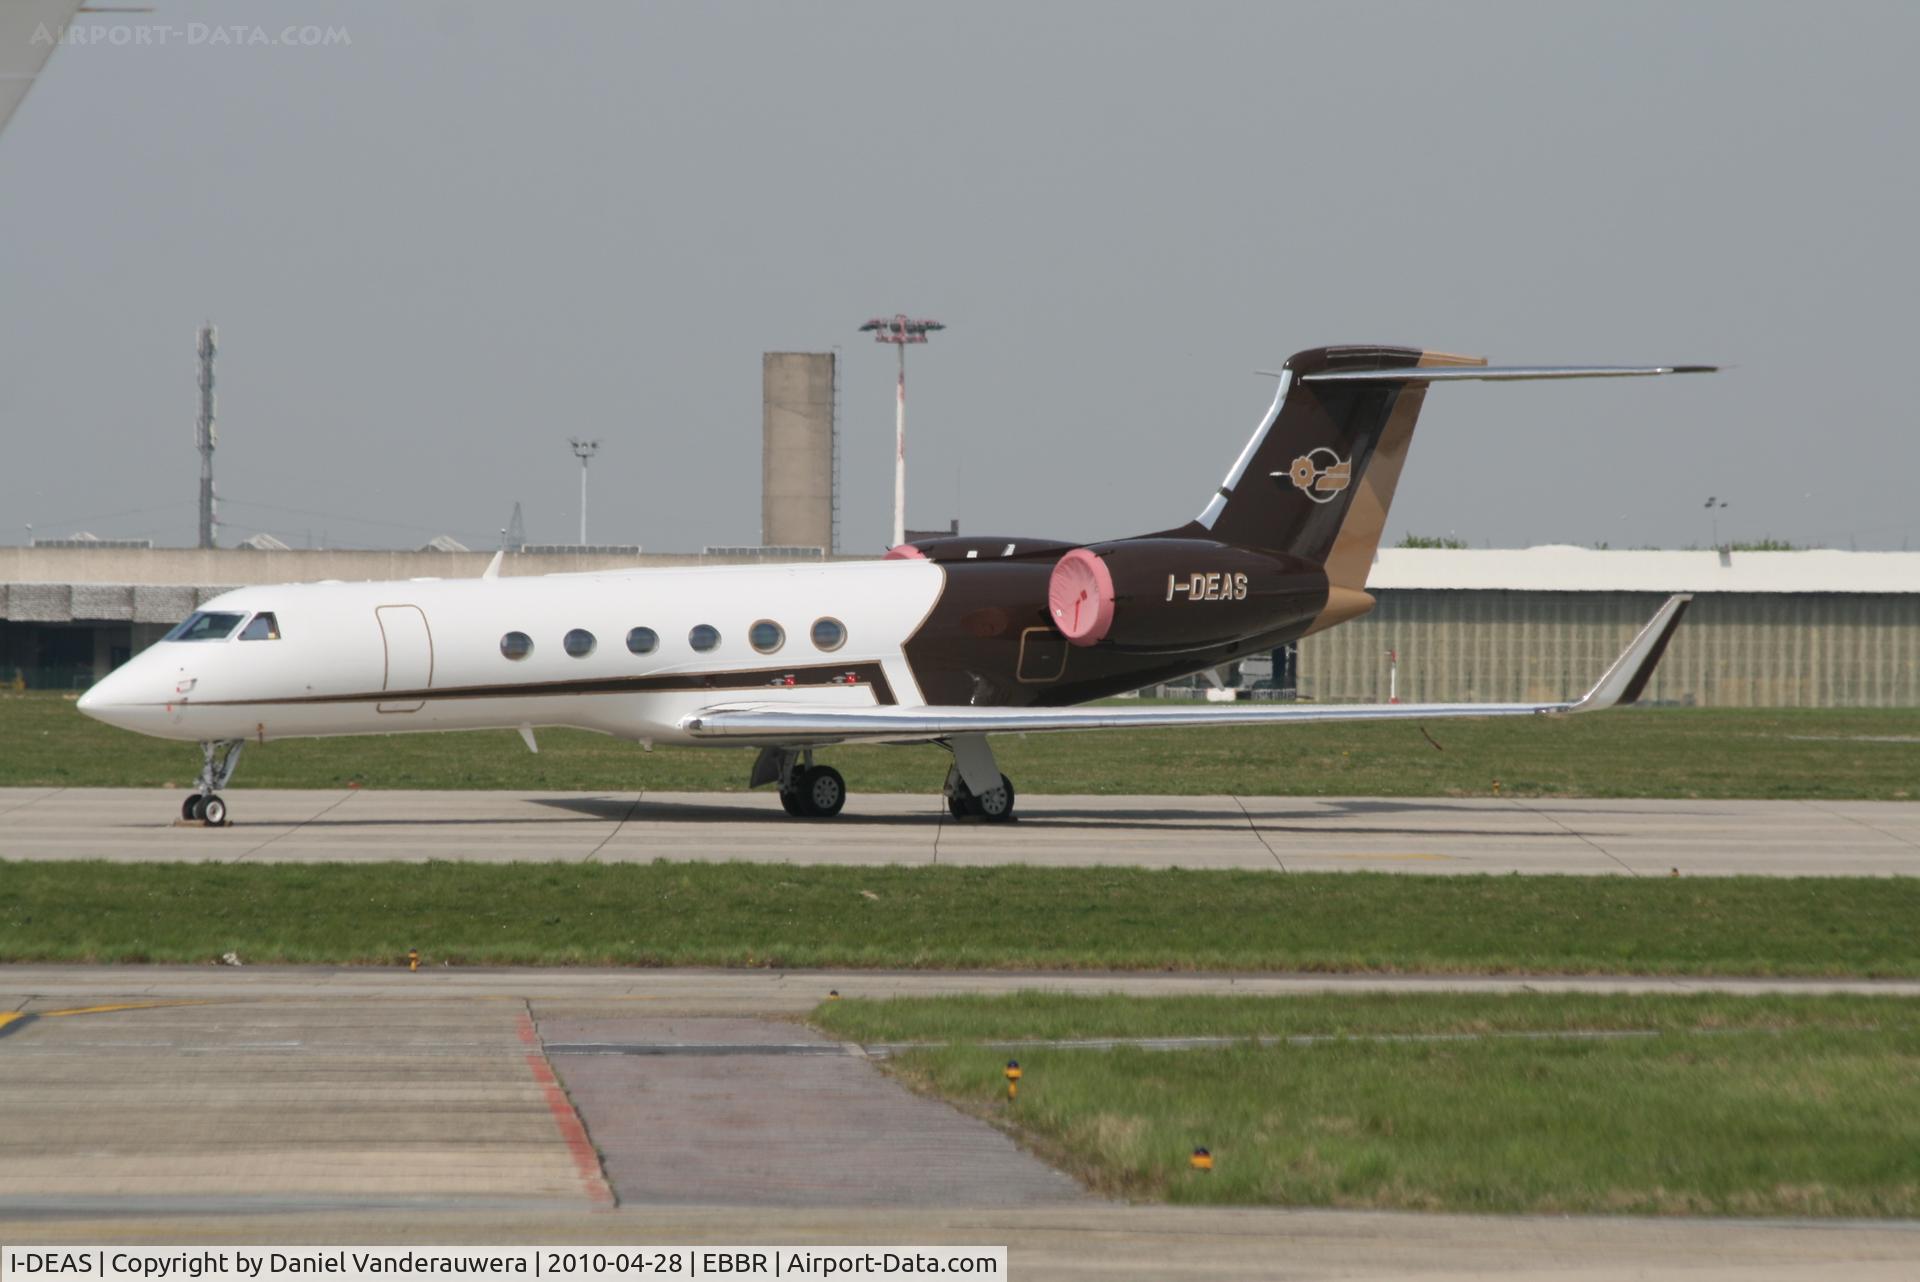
(8, 1016)
(102, 1010)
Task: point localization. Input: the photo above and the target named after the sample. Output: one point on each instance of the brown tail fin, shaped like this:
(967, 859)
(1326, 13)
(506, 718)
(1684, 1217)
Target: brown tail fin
(1316, 480)
(1351, 556)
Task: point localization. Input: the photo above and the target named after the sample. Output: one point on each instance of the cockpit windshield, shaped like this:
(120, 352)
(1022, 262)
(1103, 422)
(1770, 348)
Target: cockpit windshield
(205, 625)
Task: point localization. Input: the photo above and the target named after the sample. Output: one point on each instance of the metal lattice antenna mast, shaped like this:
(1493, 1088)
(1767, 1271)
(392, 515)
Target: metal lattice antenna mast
(206, 435)
(900, 331)
(516, 536)
(833, 497)
(584, 451)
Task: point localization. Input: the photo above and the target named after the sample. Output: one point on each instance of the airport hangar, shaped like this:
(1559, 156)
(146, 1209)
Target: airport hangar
(1768, 629)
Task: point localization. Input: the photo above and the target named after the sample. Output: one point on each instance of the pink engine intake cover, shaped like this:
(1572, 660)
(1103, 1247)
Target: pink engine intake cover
(1080, 596)
(904, 552)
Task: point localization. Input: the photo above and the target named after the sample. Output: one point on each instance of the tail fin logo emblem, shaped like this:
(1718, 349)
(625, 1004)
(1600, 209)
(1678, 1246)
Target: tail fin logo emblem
(1320, 474)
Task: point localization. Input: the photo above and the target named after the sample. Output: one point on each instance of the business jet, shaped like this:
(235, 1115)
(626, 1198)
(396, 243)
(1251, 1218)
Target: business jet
(947, 641)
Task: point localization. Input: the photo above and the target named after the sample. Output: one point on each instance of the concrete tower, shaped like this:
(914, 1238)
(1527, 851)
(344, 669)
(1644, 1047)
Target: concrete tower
(797, 450)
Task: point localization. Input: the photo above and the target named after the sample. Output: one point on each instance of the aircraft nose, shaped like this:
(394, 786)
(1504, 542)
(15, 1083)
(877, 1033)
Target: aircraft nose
(123, 698)
(100, 697)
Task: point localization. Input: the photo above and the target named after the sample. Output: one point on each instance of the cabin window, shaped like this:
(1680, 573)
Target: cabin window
(516, 645)
(766, 636)
(578, 643)
(263, 628)
(704, 637)
(829, 634)
(643, 640)
(204, 625)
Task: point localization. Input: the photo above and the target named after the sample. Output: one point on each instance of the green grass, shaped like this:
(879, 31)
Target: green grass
(1038, 1015)
(740, 914)
(44, 741)
(1739, 1106)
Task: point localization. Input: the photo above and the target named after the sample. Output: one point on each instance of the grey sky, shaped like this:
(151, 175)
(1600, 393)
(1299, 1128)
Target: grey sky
(436, 252)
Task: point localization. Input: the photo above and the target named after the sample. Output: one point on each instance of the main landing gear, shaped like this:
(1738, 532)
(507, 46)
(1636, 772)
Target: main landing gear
(218, 760)
(807, 791)
(975, 788)
(995, 805)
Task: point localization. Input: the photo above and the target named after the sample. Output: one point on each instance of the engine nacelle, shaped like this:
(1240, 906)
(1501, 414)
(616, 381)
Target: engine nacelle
(1169, 595)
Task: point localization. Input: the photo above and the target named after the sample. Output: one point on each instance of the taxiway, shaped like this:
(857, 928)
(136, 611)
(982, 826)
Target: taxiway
(1441, 835)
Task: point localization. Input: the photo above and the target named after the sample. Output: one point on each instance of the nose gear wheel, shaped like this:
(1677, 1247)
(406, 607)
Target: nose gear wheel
(219, 758)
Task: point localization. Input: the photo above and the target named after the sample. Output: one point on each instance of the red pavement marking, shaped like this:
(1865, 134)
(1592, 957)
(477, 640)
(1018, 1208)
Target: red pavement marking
(572, 1131)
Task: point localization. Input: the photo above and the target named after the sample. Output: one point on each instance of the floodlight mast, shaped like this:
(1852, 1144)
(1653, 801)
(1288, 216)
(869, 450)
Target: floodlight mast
(899, 330)
(582, 450)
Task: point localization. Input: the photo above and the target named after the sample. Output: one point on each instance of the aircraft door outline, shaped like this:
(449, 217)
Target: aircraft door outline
(407, 645)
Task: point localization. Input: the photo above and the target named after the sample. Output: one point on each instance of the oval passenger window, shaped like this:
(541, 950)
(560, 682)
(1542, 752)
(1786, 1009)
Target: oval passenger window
(829, 634)
(578, 643)
(643, 640)
(766, 636)
(704, 637)
(516, 645)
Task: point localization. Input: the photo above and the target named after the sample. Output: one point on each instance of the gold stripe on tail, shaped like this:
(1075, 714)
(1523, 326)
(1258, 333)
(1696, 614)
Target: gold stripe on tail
(1366, 519)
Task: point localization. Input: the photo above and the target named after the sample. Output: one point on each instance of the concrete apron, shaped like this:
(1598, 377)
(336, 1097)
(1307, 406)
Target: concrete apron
(783, 1118)
(324, 1104)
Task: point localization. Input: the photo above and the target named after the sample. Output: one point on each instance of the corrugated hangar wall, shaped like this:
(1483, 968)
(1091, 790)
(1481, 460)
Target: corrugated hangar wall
(1735, 649)
(796, 456)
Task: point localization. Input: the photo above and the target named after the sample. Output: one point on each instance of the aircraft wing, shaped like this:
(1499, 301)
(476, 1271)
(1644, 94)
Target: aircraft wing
(769, 723)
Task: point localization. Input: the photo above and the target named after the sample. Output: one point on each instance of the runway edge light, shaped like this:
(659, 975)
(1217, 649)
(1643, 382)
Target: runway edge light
(1202, 1160)
(1013, 1079)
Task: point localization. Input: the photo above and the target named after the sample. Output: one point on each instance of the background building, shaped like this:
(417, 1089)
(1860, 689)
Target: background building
(1766, 629)
(70, 615)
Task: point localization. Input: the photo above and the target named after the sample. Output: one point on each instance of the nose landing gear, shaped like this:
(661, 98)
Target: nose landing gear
(218, 760)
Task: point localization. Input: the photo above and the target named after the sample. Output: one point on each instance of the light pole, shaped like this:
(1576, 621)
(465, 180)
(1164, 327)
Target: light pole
(1714, 504)
(583, 450)
(900, 331)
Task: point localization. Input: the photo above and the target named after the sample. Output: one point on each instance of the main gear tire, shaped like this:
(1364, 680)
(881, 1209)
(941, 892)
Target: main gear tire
(823, 792)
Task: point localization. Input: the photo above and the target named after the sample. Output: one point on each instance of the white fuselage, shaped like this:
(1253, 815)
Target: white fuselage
(427, 654)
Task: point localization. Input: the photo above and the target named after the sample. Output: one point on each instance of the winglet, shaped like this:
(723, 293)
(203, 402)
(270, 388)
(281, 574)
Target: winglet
(1630, 673)
(493, 567)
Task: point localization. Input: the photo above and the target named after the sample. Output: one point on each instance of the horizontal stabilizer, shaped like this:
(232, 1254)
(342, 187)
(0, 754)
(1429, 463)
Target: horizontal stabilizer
(1497, 373)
